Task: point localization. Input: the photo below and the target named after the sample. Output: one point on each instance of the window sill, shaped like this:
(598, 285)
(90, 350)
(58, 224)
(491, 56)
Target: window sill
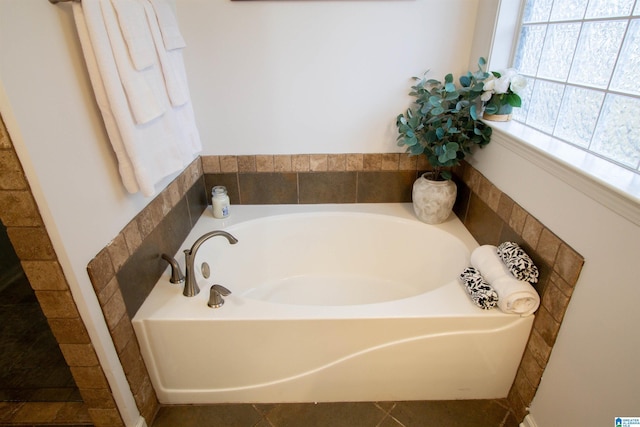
(614, 187)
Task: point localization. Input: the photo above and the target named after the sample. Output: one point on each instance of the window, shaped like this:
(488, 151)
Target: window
(582, 60)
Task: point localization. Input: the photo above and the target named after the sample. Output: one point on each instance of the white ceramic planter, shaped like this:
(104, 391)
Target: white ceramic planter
(433, 200)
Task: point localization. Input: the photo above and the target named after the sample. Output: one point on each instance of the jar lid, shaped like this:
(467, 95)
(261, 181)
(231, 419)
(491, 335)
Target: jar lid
(219, 189)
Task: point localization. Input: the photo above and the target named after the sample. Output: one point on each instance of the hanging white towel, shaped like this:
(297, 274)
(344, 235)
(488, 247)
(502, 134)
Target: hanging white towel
(125, 168)
(160, 15)
(137, 37)
(144, 99)
(175, 79)
(168, 25)
(152, 149)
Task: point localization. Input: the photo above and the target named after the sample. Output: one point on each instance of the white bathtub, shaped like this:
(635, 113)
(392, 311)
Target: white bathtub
(329, 303)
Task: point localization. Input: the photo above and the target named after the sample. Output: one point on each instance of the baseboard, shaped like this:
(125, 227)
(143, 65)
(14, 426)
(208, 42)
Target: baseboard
(528, 422)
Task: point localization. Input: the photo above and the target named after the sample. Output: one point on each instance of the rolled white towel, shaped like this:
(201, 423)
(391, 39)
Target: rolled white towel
(485, 258)
(516, 296)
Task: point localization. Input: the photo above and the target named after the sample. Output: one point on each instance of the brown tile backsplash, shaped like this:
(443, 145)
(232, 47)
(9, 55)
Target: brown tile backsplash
(327, 187)
(267, 188)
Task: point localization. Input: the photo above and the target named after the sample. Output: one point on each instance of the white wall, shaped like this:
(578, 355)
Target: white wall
(286, 77)
(266, 77)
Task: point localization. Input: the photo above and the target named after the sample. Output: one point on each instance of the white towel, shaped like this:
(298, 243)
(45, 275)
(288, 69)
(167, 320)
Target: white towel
(149, 151)
(144, 97)
(171, 35)
(171, 62)
(486, 259)
(514, 296)
(137, 37)
(124, 164)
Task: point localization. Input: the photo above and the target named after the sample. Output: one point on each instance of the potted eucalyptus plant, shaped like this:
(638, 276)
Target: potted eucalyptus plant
(444, 125)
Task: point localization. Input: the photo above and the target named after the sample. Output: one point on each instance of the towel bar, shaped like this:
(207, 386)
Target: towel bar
(60, 1)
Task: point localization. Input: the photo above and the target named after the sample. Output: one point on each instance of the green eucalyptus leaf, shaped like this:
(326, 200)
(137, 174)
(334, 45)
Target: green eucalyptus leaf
(473, 113)
(452, 154)
(436, 111)
(449, 87)
(452, 95)
(435, 101)
(440, 133)
(465, 81)
(416, 149)
(491, 109)
(431, 136)
(448, 78)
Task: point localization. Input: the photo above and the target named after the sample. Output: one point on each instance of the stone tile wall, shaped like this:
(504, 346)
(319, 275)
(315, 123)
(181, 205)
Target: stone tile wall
(29, 237)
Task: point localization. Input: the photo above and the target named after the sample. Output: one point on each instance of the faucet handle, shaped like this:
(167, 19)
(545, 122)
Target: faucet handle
(215, 296)
(222, 290)
(176, 273)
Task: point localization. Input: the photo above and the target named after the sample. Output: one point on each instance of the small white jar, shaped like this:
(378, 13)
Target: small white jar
(220, 201)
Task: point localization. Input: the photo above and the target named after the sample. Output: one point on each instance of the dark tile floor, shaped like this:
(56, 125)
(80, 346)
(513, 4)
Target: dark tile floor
(457, 413)
(32, 368)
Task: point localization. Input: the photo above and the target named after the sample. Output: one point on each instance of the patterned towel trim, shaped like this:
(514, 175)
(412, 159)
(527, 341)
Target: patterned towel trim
(518, 262)
(482, 294)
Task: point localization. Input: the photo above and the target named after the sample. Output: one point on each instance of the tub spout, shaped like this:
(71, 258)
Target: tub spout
(176, 273)
(191, 288)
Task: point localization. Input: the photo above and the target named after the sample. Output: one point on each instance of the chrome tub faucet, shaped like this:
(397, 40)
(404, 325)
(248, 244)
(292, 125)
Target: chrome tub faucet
(191, 288)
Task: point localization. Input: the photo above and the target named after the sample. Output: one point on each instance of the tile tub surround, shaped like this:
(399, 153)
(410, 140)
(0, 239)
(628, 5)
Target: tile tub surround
(124, 272)
(490, 215)
(493, 217)
(30, 239)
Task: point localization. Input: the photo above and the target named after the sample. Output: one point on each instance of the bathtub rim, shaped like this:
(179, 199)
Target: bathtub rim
(165, 302)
